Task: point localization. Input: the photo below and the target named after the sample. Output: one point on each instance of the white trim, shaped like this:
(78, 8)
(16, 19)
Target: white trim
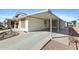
(38, 12)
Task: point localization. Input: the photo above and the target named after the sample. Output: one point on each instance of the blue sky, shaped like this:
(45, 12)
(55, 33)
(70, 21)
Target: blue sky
(65, 14)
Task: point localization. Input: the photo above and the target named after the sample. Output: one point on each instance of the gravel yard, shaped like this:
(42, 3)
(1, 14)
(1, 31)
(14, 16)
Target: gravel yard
(7, 34)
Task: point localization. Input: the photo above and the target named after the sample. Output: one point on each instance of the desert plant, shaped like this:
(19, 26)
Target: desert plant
(73, 40)
(76, 42)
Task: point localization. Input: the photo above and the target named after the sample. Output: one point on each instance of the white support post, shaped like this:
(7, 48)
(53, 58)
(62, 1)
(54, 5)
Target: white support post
(51, 27)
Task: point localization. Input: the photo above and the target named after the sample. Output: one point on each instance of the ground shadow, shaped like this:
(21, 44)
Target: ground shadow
(68, 31)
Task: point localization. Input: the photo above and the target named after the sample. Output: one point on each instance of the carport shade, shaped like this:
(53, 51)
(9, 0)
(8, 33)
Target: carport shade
(45, 15)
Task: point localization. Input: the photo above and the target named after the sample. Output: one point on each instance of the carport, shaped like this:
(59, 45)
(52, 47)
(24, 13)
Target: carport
(51, 21)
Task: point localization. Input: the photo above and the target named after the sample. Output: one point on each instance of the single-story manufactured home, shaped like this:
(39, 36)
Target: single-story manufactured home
(42, 20)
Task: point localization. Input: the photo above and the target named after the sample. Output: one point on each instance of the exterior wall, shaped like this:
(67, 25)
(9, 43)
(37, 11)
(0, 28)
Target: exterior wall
(62, 24)
(54, 24)
(36, 24)
(22, 23)
(25, 25)
(48, 23)
(19, 25)
(32, 24)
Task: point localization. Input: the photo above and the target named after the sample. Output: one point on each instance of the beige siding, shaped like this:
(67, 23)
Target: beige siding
(19, 25)
(48, 25)
(36, 24)
(23, 25)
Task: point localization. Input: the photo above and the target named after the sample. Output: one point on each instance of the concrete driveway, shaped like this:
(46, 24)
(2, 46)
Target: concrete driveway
(32, 40)
(25, 41)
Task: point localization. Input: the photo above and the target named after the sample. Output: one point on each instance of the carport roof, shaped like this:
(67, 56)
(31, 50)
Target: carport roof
(45, 14)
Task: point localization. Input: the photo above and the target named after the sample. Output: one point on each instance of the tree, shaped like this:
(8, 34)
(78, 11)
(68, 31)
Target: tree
(1, 24)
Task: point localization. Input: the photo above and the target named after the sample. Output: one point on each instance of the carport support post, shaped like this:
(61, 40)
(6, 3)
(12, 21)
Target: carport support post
(50, 28)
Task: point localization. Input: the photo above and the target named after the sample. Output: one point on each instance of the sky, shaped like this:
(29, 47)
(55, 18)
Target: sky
(65, 14)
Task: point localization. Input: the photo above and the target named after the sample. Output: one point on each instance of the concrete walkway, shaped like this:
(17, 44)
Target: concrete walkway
(55, 45)
(62, 38)
(30, 40)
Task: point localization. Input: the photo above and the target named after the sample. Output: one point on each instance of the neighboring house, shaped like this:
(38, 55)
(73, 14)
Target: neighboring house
(77, 23)
(69, 24)
(73, 24)
(10, 23)
(42, 20)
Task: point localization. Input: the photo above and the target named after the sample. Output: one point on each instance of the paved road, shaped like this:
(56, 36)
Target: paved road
(23, 41)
